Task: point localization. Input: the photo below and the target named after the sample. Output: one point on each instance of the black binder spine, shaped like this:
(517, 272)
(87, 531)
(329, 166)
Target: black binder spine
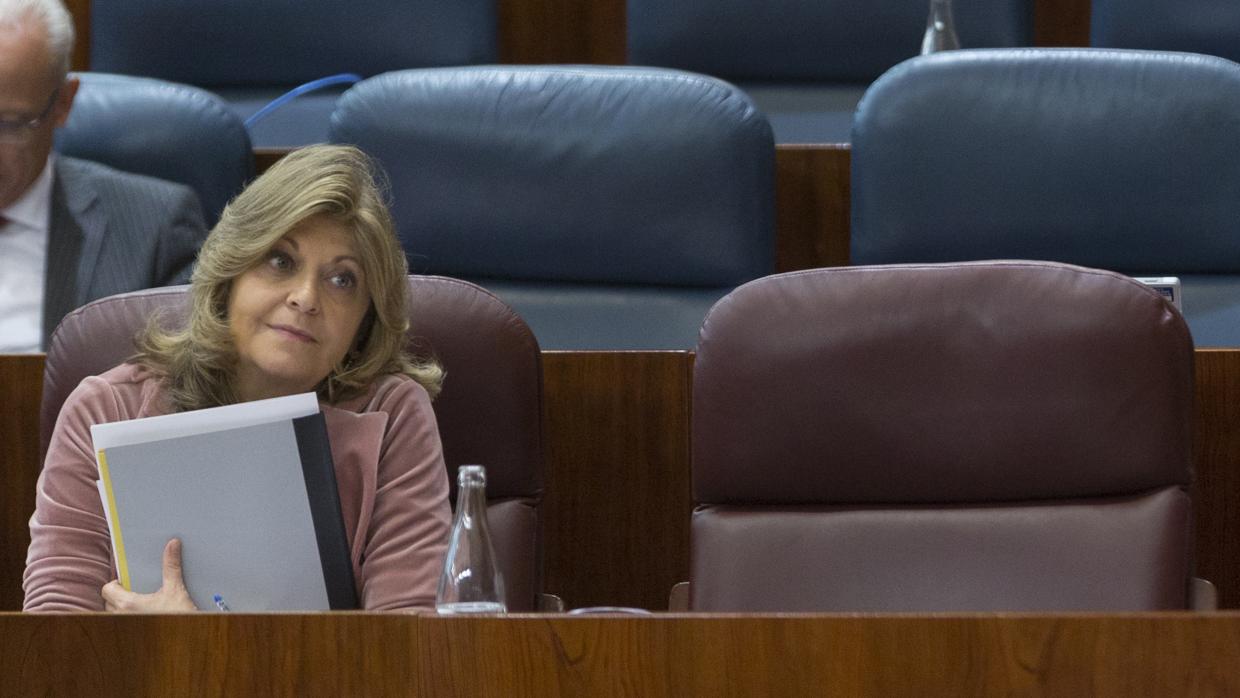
(320, 474)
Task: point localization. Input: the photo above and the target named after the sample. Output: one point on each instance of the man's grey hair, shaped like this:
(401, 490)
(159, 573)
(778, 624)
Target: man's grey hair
(55, 19)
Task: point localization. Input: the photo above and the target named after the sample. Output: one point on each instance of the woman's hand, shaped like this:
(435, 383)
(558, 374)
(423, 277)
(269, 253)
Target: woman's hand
(172, 597)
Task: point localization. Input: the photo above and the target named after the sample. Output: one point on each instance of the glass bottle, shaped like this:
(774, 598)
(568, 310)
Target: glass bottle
(471, 581)
(940, 29)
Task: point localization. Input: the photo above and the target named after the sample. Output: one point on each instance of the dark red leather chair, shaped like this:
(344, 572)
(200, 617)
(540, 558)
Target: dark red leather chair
(960, 437)
(490, 411)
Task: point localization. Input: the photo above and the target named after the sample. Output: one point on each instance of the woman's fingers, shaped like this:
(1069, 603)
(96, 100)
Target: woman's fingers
(172, 596)
(116, 597)
(173, 578)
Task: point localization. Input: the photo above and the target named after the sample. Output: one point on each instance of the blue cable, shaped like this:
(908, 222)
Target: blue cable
(341, 79)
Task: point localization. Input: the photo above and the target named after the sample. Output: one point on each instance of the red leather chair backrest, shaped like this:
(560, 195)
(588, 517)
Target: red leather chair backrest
(490, 410)
(975, 436)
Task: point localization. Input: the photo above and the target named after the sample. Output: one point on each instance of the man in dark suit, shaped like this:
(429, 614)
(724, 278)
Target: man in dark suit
(71, 231)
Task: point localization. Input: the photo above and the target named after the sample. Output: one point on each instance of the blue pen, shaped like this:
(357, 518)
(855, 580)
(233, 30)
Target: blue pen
(219, 603)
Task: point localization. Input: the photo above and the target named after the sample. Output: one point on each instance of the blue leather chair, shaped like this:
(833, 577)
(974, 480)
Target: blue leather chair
(1200, 26)
(610, 206)
(1124, 160)
(251, 52)
(806, 64)
(162, 129)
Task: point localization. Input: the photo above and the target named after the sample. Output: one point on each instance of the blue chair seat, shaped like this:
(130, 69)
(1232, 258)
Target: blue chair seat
(1211, 305)
(807, 112)
(614, 317)
(301, 121)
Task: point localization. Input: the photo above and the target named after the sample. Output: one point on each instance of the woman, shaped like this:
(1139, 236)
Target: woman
(300, 287)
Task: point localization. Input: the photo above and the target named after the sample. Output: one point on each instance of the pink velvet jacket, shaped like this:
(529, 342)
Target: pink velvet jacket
(389, 471)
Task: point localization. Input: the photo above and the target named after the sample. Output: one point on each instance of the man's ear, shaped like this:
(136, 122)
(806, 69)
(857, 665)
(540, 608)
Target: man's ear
(64, 100)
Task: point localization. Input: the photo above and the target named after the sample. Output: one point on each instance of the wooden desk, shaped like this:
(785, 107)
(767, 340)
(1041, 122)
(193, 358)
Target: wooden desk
(375, 654)
(813, 191)
(21, 390)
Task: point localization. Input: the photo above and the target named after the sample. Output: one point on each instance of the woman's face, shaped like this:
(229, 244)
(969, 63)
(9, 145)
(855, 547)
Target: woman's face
(295, 314)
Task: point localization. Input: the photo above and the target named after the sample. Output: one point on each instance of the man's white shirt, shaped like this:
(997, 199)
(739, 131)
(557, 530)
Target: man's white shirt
(23, 263)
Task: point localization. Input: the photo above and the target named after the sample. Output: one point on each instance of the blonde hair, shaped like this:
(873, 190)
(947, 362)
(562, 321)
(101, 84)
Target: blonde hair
(198, 361)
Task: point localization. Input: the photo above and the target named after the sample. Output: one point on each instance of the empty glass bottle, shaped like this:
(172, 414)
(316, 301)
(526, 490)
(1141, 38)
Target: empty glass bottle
(940, 29)
(471, 581)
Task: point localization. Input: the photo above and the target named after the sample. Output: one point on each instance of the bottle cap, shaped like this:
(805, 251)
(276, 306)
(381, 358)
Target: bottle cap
(471, 475)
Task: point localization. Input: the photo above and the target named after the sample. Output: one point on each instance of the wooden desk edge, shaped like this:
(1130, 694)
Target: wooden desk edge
(672, 655)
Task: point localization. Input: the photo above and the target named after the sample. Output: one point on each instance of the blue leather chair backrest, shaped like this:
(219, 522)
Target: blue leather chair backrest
(584, 174)
(1126, 160)
(161, 129)
(263, 42)
(1200, 26)
(791, 40)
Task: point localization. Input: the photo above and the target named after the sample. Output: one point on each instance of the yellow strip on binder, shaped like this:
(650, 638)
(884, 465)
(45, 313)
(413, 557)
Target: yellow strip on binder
(122, 565)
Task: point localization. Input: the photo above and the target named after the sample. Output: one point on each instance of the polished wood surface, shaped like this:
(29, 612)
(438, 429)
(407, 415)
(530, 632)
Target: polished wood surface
(21, 390)
(812, 205)
(834, 655)
(616, 513)
(80, 9)
(208, 654)
(1217, 452)
(562, 31)
(393, 654)
(266, 157)
(1061, 22)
